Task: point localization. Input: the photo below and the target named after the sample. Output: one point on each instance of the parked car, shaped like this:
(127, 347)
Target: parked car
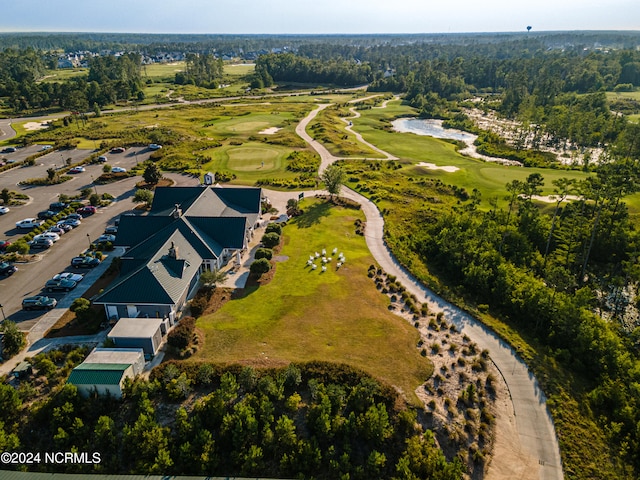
(77, 169)
(39, 302)
(4, 210)
(84, 262)
(154, 146)
(59, 285)
(102, 159)
(112, 229)
(41, 243)
(4, 244)
(54, 237)
(117, 150)
(29, 223)
(45, 147)
(72, 222)
(64, 226)
(46, 214)
(75, 216)
(58, 206)
(74, 277)
(106, 238)
(7, 269)
(57, 230)
(10, 150)
(87, 210)
(118, 170)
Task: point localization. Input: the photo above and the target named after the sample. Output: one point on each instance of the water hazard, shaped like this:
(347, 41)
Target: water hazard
(432, 128)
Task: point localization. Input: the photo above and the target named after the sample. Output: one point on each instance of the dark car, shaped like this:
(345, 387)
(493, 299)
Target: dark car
(65, 226)
(7, 269)
(58, 206)
(84, 262)
(59, 285)
(47, 214)
(117, 150)
(39, 302)
(87, 210)
(10, 150)
(42, 242)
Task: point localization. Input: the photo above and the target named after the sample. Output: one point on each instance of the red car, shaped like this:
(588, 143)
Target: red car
(3, 245)
(87, 210)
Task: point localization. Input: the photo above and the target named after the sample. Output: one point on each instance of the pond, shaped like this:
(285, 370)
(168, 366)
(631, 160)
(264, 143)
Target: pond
(432, 128)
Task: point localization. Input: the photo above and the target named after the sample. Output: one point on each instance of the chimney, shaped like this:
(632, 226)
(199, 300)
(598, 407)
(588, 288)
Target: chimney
(177, 211)
(173, 251)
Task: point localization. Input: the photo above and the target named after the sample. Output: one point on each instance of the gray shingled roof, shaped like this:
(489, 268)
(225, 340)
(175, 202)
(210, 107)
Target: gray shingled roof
(161, 280)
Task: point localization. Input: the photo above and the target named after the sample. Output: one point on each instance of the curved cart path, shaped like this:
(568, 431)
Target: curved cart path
(526, 443)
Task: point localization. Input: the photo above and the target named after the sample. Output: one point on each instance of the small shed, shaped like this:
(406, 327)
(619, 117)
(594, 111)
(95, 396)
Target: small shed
(104, 378)
(144, 333)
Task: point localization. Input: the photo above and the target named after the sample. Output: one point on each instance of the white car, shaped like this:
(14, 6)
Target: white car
(4, 210)
(54, 237)
(106, 238)
(45, 147)
(154, 146)
(74, 277)
(118, 170)
(29, 223)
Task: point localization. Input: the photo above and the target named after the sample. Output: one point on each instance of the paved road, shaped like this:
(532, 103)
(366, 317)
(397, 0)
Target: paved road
(534, 424)
(6, 132)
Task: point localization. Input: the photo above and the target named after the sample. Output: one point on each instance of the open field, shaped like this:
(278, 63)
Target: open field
(304, 315)
(617, 95)
(64, 74)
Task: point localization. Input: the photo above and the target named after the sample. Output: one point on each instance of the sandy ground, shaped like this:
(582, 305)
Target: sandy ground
(433, 166)
(30, 126)
(553, 198)
(269, 131)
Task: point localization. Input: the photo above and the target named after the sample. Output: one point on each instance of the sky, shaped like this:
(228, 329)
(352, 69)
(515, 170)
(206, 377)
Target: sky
(316, 17)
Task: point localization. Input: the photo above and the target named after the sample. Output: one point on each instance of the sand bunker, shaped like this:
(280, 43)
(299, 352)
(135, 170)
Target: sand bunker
(433, 166)
(269, 131)
(554, 198)
(36, 125)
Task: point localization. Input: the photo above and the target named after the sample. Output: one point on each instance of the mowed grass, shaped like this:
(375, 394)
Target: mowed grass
(304, 315)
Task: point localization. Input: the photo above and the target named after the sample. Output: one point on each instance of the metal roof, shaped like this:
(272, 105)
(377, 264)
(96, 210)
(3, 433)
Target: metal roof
(98, 373)
(135, 328)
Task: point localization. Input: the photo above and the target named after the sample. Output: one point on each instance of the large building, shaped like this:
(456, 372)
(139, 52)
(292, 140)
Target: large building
(188, 230)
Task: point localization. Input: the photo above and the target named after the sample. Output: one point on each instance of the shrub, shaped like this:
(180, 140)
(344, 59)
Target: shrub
(270, 240)
(20, 247)
(260, 267)
(264, 253)
(274, 227)
(182, 335)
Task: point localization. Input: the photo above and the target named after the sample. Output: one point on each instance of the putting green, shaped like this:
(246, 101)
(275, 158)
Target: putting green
(246, 159)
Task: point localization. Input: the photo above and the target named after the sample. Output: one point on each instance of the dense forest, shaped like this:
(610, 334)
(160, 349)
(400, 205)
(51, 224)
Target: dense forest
(307, 420)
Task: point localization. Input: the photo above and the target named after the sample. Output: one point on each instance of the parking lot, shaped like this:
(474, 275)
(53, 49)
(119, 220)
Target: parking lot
(30, 278)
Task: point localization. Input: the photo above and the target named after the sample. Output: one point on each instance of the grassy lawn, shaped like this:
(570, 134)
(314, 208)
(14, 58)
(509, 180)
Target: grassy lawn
(305, 315)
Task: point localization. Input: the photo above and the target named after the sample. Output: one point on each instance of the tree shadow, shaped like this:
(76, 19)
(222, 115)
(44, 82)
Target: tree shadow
(312, 215)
